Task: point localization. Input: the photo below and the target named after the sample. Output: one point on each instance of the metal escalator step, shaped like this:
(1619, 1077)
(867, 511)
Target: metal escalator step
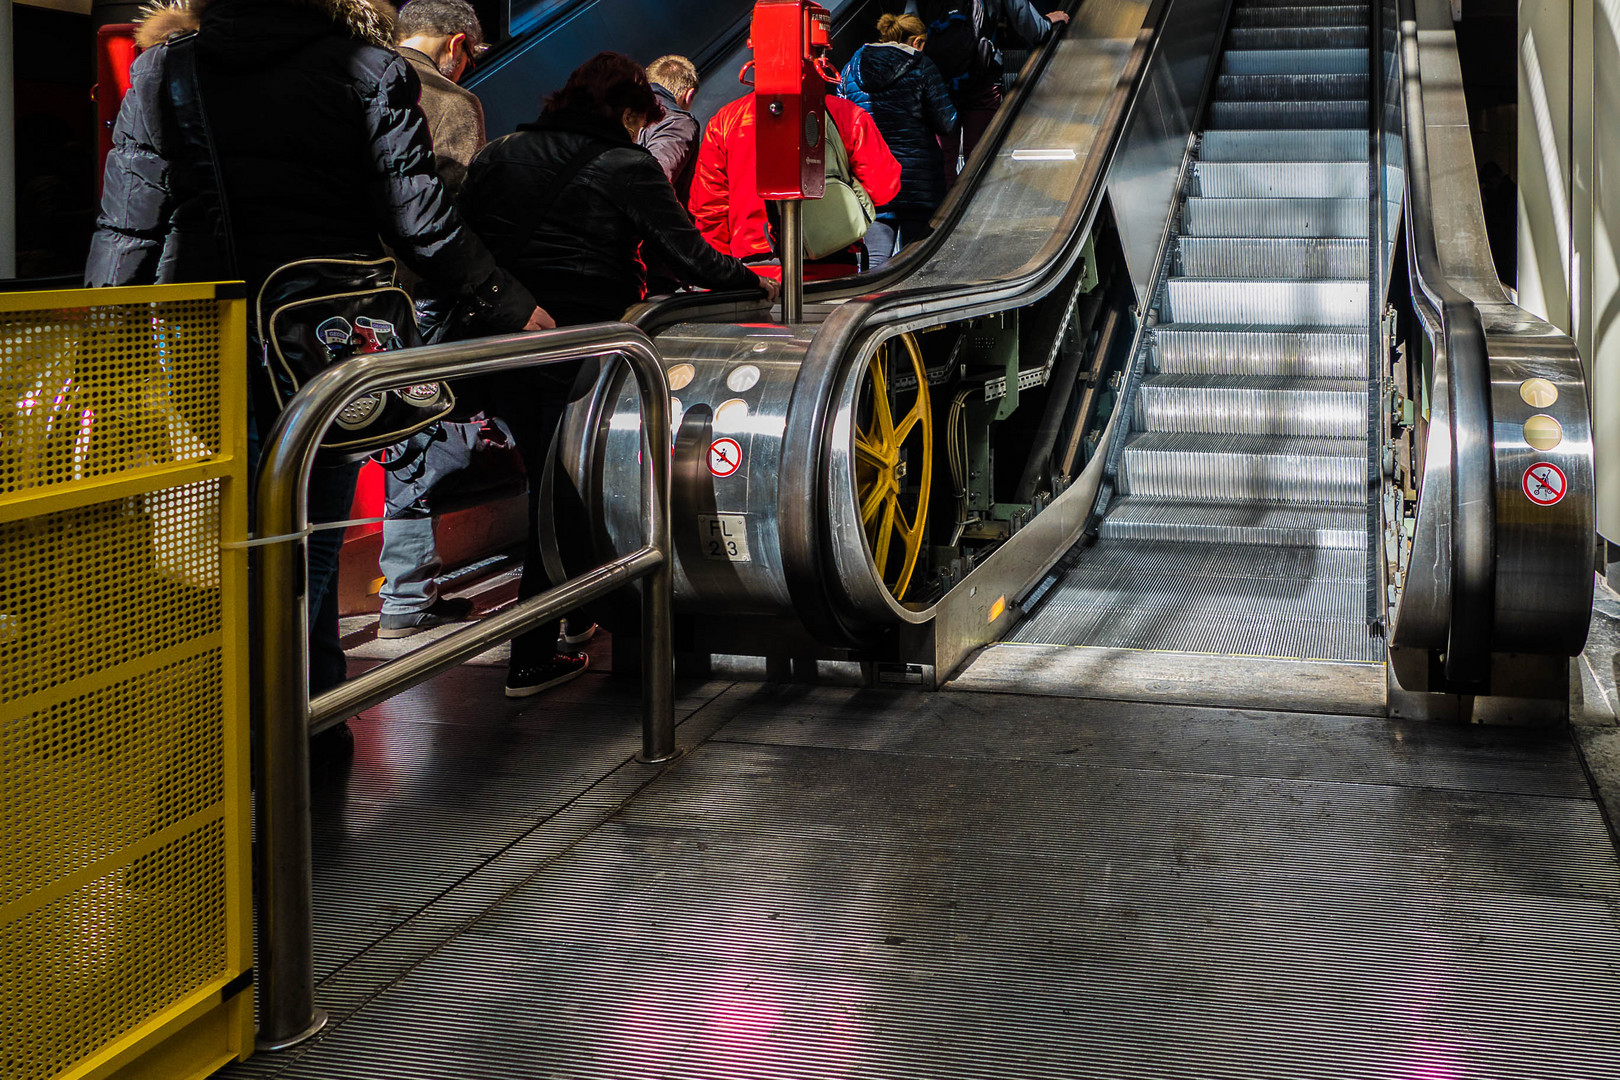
(1320, 218)
(1255, 302)
(1268, 37)
(1288, 114)
(1294, 62)
(1301, 17)
(1293, 86)
(1192, 349)
(1252, 405)
(1245, 468)
(1341, 528)
(1323, 144)
(1280, 179)
(1271, 257)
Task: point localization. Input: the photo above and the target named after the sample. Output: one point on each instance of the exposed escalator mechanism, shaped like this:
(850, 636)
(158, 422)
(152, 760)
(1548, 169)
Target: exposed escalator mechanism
(894, 460)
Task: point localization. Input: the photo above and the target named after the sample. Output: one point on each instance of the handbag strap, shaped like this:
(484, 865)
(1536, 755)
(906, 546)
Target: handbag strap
(185, 94)
(539, 208)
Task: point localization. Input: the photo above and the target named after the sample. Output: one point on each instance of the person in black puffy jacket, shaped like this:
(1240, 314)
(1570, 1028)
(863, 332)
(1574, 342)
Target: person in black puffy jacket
(567, 203)
(907, 97)
(323, 151)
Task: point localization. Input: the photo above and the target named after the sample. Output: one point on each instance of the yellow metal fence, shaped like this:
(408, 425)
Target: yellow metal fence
(125, 899)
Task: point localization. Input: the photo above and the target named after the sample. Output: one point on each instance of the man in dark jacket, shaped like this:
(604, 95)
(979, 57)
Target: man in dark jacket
(962, 40)
(674, 140)
(441, 38)
(323, 151)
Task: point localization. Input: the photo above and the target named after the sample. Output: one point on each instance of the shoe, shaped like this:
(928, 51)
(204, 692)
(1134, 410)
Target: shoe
(530, 679)
(444, 610)
(580, 638)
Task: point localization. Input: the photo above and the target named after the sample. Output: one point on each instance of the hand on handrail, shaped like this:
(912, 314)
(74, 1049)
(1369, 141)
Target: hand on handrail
(540, 320)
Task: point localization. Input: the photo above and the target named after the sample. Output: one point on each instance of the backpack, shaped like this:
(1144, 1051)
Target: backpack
(957, 38)
(845, 210)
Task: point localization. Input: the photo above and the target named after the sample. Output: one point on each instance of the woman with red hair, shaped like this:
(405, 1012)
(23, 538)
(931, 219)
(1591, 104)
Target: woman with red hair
(566, 204)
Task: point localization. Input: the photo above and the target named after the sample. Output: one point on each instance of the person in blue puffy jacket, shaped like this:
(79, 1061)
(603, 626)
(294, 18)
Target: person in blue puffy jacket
(907, 97)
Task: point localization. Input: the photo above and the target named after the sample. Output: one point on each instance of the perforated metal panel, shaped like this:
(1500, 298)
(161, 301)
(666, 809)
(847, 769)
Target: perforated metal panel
(88, 392)
(123, 783)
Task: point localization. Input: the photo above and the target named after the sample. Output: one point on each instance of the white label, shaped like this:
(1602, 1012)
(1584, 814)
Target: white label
(725, 537)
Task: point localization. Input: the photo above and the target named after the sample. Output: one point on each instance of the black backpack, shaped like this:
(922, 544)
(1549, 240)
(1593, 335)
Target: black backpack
(958, 41)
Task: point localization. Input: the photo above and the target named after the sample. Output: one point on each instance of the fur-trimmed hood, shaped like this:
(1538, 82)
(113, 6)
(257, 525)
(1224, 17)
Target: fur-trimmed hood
(371, 21)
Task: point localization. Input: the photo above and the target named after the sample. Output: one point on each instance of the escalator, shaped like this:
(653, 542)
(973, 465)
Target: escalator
(1241, 521)
(1180, 374)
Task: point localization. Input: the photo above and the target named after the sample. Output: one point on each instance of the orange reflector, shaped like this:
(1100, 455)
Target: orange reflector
(997, 608)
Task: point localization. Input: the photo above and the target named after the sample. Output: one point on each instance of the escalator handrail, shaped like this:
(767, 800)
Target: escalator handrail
(862, 321)
(663, 312)
(1467, 365)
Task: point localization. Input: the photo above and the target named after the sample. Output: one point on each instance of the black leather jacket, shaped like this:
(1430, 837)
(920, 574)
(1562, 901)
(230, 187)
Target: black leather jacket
(584, 248)
(324, 151)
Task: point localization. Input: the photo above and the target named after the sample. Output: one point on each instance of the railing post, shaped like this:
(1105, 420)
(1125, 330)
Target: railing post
(657, 590)
(282, 709)
(282, 848)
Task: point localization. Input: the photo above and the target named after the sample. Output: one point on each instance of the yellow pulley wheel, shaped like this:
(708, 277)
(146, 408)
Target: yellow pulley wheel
(888, 453)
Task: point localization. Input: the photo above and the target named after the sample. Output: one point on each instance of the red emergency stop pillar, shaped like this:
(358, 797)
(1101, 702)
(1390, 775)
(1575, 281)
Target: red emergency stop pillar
(789, 37)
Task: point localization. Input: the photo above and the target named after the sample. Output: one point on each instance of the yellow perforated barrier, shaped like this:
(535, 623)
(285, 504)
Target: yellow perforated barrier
(125, 908)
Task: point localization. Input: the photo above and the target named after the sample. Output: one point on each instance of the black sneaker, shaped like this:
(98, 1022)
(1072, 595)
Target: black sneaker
(569, 640)
(530, 679)
(444, 610)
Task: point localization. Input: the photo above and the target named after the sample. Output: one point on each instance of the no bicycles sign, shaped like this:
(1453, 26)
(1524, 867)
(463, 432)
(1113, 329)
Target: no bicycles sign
(1545, 483)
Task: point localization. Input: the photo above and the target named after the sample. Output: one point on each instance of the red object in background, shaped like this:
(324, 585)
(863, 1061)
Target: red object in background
(790, 39)
(115, 52)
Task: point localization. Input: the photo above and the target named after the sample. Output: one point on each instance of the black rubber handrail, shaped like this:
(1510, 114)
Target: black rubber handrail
(1468, 392)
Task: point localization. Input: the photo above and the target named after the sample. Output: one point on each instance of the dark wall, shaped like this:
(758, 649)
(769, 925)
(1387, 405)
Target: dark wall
(56, 140)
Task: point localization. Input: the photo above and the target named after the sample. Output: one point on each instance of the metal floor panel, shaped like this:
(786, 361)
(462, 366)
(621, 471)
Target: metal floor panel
(849, 883)
(1137, 518)
(1223, 599)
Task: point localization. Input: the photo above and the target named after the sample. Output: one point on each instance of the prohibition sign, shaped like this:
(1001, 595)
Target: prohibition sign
(1545, 483)
(725, 457)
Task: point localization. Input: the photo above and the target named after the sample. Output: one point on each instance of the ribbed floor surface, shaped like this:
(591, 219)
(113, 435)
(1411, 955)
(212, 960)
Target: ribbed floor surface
(1243, 599)
(891, 884)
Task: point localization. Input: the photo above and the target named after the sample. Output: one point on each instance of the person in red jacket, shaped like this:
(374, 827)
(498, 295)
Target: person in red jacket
(725, 197)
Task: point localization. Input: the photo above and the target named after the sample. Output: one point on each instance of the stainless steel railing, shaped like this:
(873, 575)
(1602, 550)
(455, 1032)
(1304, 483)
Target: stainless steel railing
(283, 711)
(1457, 332)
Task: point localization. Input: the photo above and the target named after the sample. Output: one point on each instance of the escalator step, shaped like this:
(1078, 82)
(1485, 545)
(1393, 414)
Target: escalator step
(1245, 468)
(1280, 179)
(1252, 405)
(1341, 528)
(1272, 257)
(1300, 18)
(1300, 87)
(1275, 217)
(1264, 37)
(1294, 62)
(1265, 145)
(1257, 302)
(1285, 115)
(1191, 349)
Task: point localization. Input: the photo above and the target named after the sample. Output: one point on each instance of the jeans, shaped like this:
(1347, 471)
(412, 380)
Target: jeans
(885, 239)
(331, 495)
(409, 560)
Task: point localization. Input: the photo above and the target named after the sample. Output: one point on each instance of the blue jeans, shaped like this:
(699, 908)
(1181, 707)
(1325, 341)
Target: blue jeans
(885, 239)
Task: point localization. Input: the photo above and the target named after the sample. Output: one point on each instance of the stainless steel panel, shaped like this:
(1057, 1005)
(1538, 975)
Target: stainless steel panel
(1281, 179)
(1294, 62)
(1273, 257)
(1339, 37)
(1250, 16)
(1288, 114)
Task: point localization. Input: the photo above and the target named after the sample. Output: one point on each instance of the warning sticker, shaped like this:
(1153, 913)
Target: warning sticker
(725, 457)
(1545, 483)
(725, 537)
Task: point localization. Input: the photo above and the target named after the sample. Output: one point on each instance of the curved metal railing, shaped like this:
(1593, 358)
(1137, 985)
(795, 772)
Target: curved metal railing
(1457, 332)
(282, 708)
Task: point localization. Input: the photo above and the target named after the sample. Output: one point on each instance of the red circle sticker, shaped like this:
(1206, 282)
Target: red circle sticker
(1545, 483)
(725, 457)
